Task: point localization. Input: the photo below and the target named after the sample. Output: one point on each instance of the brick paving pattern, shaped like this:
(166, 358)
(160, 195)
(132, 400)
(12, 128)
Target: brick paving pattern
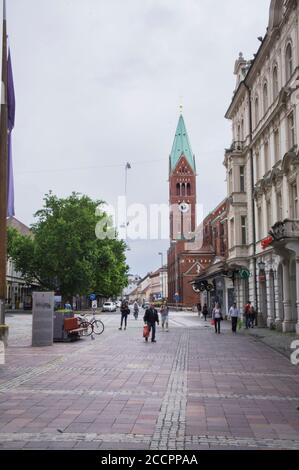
(190, 390)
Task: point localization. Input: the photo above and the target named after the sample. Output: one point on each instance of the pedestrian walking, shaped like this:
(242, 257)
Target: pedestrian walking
(164, 316)
(136, 309)
(125, 311)
(247, 313)
(234, 313)
(205, 311)
(217, 317)
(252, 316)
(198, 308)
(151, 318)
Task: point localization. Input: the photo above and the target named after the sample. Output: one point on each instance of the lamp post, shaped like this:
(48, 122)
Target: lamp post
(162, 281)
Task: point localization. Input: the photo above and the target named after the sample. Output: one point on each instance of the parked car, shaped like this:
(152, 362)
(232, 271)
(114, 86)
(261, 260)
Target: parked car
(118, 303)
(109, 307)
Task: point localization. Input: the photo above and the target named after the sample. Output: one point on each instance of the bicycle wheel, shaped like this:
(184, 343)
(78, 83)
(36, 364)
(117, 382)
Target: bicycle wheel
(88, 328)
(98, 327)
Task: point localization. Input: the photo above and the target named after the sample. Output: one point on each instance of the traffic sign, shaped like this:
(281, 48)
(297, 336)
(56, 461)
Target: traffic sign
(92, 297)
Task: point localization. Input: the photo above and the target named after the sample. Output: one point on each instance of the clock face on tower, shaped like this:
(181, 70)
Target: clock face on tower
(184, 207)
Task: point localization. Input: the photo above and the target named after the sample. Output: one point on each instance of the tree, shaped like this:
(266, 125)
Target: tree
(64, 253)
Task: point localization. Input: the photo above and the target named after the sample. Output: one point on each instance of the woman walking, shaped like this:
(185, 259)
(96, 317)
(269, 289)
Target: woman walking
(164, 316)
(217, 317)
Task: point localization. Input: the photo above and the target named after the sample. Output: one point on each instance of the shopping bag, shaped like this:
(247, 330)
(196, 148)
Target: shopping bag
(240, 324)
(146, 331)
(212, 322)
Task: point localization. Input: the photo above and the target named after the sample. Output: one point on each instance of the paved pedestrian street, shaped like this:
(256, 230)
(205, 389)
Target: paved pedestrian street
(192, 389)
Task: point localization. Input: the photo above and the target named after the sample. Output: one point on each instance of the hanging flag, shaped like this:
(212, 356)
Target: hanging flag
(11, 106)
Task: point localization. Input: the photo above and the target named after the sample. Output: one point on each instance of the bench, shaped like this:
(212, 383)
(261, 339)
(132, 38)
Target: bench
(72, 327)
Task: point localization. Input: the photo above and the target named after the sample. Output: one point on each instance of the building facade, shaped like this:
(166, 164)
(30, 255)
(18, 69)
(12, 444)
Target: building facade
(19, 292)
(262, 167)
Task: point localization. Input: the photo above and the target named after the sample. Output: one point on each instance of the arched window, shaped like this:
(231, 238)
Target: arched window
(256, 110)
(188, 189)
(265, 97)
(289, 61)
(178, 189)
(275, 82)
(183, 189)
(239, 133)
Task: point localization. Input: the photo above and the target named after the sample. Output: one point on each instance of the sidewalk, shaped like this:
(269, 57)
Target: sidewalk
(276, 340)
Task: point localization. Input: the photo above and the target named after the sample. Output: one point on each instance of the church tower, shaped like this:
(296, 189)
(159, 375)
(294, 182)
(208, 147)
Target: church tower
(182, 186)
(182, 214)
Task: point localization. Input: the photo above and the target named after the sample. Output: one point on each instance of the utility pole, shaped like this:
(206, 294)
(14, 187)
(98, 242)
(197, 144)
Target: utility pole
(3, 173)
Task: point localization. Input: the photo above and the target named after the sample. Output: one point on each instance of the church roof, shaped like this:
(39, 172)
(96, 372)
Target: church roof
(181, 146)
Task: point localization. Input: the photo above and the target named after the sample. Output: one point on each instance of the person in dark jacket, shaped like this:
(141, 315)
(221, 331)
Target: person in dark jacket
(151, 318)
(205, 311)
(125, 311)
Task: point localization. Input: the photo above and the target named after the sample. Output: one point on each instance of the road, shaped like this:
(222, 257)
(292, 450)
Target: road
(192, 389)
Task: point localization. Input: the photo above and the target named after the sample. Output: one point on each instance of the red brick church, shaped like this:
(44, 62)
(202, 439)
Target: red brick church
(191, 252)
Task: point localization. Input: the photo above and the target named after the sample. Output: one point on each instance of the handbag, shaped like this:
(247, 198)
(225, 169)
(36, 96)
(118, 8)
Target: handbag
(146, 331)
(213, 322)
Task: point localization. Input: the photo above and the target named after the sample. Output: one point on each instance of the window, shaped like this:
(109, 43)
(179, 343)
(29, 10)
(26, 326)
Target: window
(230, 181)
(232, 233)
(291, 130)
(276, 145)
(279, 207)
(188, 189)
(183, 189)
(178, 189)
(257, 165)
(266, 155)
(243, 229)
(269, 214)
(294, 201)
(265, 97)
(275, 82)
(242, 130)
(289, 61)
(259, 223)
(242, 179)
(256, 111)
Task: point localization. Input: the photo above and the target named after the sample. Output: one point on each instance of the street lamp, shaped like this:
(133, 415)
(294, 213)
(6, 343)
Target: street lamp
(162, 282)
(174, 242)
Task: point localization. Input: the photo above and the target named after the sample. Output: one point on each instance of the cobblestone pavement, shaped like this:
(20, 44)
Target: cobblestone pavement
(192, 389)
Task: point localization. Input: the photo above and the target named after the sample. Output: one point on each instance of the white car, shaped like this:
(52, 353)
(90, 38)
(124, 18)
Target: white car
(109, 307)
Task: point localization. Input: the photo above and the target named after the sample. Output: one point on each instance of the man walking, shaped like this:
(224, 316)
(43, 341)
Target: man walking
(125, 311)
(151, 318)
(234, 313)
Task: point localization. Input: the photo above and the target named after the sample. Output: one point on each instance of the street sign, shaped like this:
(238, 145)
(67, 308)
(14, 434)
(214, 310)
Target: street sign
(176, 297)
(94, 304)
(92, 297)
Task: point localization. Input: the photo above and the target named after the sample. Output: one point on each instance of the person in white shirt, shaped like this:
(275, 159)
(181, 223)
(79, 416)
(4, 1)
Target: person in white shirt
(217, 317)
(234, 313)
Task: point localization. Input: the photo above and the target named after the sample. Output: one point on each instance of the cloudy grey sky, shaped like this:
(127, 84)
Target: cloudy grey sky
(98, 83)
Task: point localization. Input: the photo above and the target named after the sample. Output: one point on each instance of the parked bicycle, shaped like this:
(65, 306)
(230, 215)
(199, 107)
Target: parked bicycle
(93, 325)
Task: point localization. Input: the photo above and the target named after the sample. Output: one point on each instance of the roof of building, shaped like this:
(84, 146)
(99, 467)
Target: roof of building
(19, 226)
(181, 146)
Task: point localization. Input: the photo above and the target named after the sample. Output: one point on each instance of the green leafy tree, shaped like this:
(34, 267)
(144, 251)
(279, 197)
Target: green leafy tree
(65, 254)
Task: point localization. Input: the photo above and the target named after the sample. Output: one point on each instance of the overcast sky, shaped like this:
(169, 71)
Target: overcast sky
(99, 82)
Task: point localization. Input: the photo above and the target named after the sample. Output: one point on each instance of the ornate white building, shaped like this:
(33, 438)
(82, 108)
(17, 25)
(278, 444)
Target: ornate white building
(263, 173)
